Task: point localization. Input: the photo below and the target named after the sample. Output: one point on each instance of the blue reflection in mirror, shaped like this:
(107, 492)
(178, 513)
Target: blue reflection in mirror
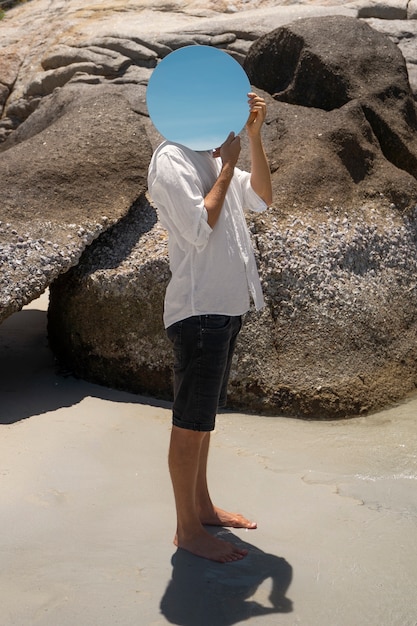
(197, 95)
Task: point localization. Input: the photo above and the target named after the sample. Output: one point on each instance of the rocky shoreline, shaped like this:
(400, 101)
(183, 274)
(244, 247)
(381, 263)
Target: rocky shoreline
(336, 252)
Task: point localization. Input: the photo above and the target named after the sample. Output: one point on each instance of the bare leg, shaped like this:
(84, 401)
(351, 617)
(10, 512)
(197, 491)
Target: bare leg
(208, 513)
(184, 460)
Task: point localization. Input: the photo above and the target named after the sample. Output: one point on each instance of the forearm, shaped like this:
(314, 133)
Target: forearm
(260, 173)
(214, 200)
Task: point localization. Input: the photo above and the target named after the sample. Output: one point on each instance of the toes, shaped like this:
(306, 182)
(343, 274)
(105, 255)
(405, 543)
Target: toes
(241, 522)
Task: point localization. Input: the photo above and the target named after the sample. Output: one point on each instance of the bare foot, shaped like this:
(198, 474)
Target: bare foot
(218, 517)
(206, 546)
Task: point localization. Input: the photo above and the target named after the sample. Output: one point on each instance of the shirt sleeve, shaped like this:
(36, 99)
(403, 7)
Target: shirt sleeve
(251, 200)
(177, 192)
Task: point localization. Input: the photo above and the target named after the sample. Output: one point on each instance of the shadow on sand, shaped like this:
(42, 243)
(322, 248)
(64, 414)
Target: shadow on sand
(212, 594)
(30, 382)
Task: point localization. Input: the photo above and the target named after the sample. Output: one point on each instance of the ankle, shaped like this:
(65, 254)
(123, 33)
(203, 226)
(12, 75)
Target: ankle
(187, 532)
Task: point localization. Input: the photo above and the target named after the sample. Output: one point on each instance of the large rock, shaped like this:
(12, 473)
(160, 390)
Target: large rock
(336, 252)
(105, 315)
(89, 36)
(70, 171)
(46, 47)
(343, 172)
(356, 131)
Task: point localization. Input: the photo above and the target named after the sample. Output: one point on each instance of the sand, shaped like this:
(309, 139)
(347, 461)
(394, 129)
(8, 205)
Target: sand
(87, 513)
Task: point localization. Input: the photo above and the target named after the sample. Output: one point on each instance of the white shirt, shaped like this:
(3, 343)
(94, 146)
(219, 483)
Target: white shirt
(213, 270)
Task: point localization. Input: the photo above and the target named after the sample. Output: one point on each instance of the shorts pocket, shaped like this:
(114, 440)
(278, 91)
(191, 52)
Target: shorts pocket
(216, 322)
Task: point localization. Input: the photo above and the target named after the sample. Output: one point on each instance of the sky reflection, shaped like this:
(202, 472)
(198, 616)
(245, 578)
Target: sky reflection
(197, 95)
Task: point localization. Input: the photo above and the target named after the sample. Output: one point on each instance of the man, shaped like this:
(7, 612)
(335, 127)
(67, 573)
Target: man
(200, 198)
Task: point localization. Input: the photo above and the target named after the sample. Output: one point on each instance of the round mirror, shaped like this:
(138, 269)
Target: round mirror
(197, 95)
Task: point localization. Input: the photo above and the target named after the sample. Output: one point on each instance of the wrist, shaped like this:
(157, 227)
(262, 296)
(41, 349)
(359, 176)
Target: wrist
(228, 169)
(255, 137)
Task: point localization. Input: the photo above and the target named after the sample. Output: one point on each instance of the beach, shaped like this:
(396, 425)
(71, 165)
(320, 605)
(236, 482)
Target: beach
(88, 517)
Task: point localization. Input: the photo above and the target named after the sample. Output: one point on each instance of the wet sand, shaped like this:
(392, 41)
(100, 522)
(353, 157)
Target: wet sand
(87, 514)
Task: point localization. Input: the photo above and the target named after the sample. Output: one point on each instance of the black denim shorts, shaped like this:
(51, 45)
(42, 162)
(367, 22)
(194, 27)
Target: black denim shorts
(203, 349)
